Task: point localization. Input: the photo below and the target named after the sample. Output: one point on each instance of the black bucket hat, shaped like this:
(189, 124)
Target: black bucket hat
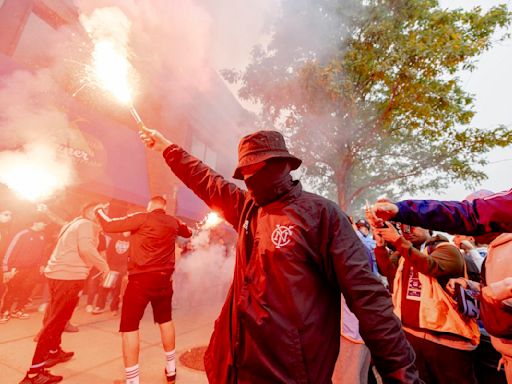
(261, 146)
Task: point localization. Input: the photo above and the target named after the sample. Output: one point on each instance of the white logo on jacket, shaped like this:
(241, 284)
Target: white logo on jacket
(282, 235)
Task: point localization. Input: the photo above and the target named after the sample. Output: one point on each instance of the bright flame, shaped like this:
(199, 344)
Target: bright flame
(111, 68)
(212, 220)
(31, 181)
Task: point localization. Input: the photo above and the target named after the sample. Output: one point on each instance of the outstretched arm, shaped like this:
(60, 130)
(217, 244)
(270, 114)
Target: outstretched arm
(123, 224)
(485, 215)
(490, 214)
(207, 184)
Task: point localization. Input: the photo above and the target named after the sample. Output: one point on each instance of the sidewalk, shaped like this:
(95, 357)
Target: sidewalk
(97, 347)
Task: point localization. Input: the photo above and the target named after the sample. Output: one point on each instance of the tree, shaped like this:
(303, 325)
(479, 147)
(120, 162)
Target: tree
(373, 103)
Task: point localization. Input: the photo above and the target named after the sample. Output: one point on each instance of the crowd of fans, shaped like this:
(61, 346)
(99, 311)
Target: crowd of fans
(450, 290)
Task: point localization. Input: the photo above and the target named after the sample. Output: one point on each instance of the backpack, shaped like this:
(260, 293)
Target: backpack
(497, 318)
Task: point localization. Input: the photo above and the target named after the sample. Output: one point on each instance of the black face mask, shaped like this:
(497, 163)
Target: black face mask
(270, 182)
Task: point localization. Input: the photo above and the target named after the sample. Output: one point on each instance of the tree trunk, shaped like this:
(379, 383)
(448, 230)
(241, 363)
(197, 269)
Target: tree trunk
(343, 173)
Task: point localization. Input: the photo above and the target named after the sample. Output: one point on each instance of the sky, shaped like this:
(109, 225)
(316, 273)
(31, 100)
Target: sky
(491, 83)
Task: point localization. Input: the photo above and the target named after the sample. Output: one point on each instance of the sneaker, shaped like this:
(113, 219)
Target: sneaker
(59, 357)
(171, 377)
(98, 311)
(5, 317)
(43, 377)
(71, 328)
(19, 314)
(89, 308)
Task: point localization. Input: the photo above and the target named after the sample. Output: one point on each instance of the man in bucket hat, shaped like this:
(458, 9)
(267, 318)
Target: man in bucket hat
(296, 254)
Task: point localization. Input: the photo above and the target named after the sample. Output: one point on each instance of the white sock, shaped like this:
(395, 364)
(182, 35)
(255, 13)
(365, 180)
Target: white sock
(170, 358)
(132, 374)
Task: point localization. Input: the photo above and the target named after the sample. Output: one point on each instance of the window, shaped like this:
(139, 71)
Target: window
(204, 153)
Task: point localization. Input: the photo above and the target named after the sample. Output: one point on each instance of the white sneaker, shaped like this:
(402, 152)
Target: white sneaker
(89, 308)
(98, 311)
(19, 314)
(5, 317)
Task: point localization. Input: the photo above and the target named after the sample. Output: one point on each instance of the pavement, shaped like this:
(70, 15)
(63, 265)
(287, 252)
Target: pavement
(97, 346)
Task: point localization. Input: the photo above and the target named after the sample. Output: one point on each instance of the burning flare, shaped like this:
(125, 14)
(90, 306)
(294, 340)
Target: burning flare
(35, 172)
(212, 220)
(111, 68)
(32, 182)
(109, 29)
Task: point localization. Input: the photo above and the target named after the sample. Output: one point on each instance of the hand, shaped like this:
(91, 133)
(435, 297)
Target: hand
(450, 287)
(103, 206)
(379, 241)
(388, 233)
(381, 211)
(153, 139)
(466, 245)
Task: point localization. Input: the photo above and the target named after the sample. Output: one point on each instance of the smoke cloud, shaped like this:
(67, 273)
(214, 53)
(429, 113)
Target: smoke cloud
(30, 127)
(175, 47)
(203, 275)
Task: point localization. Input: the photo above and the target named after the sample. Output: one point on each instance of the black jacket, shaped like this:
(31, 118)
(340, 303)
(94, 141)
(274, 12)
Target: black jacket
(152, 240)
(26, 250)
(281, 319)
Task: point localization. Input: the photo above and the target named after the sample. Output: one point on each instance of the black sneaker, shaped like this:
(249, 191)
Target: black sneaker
(43, 377)
(59, 357)
(171, 378)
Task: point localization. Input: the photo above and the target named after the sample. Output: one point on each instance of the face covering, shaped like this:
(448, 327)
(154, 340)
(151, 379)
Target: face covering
(270, 182)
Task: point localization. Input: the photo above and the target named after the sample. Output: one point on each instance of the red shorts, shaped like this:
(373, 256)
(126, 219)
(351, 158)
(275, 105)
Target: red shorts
(144, 288)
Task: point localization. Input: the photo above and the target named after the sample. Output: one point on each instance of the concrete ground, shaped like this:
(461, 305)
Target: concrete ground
(97, 347)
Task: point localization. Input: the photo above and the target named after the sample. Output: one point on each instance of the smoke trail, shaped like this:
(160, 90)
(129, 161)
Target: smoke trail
(203, 275)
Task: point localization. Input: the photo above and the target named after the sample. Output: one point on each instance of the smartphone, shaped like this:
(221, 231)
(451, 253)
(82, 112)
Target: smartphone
(467, 303)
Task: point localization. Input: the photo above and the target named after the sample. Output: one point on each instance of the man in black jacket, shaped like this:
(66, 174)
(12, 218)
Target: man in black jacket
(296, 253)
(150, 269)
(24, 258)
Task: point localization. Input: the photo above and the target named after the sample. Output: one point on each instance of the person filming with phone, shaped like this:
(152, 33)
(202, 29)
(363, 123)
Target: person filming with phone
(419, 268)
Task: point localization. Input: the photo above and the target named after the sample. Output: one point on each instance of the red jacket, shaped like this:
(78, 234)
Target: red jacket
(152, 240)
(281, 319)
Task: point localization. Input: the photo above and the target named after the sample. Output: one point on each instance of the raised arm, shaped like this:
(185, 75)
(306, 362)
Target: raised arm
(207, 184)
(122, 224)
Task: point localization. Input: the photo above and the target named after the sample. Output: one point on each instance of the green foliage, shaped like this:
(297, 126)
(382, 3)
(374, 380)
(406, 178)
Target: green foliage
(372, 103)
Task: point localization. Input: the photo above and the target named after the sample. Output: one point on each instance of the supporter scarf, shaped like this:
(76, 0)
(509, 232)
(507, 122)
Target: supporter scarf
(270, 182)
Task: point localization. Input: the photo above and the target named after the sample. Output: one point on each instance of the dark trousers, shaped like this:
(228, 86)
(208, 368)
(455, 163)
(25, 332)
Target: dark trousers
(93, 285)
(438, 364)
(20, 287)
(63, 300)
(116, 295)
